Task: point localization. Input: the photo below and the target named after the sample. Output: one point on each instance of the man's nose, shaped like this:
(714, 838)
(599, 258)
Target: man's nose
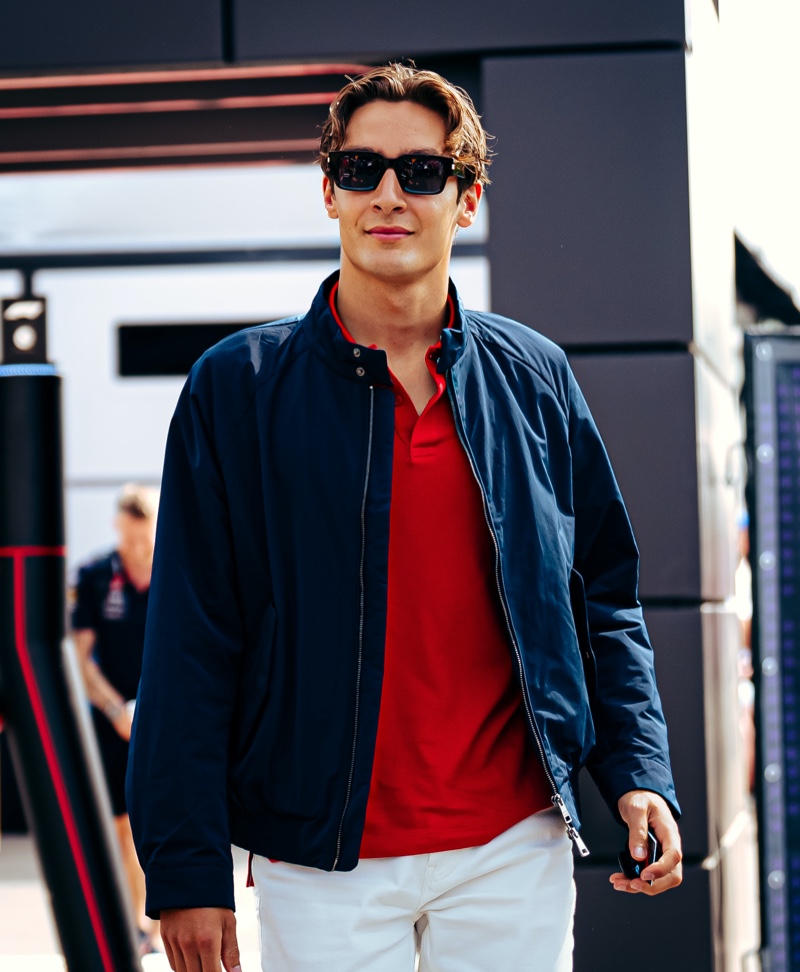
(388, 195)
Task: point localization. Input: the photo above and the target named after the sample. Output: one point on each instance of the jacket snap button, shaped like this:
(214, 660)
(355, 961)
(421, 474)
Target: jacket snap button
(356, 352)
(360, 372)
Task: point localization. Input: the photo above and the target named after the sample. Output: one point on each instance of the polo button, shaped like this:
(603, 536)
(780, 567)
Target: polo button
(360, 372)
(356, 352)
(398, 399)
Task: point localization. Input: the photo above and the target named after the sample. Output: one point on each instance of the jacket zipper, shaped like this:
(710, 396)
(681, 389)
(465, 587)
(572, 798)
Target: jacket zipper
(360, 627)
(555, 799)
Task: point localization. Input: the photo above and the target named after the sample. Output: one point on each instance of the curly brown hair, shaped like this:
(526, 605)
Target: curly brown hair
(465, 138)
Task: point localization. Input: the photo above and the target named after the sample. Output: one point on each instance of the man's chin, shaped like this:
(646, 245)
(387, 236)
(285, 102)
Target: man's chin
(391, 268)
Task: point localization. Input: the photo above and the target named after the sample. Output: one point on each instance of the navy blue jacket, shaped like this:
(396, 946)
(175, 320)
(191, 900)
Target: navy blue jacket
(258, 706)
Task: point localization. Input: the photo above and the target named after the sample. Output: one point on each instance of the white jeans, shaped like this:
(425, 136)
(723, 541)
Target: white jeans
(506, 906)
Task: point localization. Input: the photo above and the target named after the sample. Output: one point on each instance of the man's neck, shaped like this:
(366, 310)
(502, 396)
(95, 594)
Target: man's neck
(399, 318)
(404, 320)
(138, 571)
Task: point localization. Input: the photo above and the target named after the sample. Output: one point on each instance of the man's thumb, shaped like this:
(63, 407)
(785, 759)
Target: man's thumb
(230, 947)
(637, 840)
(633, 810)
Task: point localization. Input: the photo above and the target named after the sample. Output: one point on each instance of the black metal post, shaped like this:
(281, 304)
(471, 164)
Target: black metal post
(46, 739)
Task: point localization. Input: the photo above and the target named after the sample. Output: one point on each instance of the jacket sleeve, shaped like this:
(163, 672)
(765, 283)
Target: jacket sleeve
(631, 751)
(177, 771)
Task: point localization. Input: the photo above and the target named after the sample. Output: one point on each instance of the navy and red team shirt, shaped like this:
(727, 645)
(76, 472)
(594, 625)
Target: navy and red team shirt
(454, 765)
(106, 602)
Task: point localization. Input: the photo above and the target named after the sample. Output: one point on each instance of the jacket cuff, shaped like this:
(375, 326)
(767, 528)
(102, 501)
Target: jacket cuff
(188, 887)
(646, 774)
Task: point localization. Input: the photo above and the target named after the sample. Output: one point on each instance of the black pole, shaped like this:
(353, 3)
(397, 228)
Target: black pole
(46, 739)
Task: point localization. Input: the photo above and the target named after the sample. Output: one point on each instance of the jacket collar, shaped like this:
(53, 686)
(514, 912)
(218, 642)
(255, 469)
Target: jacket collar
(454, 338)
(359, 362)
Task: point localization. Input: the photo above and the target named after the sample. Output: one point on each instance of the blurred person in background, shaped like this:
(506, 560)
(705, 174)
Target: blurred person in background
(109, 606)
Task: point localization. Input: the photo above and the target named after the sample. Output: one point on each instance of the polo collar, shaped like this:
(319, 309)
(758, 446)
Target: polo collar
(364, 364)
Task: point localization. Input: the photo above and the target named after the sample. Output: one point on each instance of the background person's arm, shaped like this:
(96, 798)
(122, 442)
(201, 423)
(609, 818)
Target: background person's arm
(100, 691)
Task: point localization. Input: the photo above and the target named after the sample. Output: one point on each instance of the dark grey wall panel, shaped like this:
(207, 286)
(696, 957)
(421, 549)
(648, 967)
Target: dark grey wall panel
(284, 29)
(614, 931)
(589, 202)
(49, 34)
(644, 406)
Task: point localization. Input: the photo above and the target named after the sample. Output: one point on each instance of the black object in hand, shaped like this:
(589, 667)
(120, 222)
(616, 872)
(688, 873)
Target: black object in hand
(632, 868)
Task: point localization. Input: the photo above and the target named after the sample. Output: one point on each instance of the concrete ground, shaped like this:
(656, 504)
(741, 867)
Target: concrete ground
(28, 938)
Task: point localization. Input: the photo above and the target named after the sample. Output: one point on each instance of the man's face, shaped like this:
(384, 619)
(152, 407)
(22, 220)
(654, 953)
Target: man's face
(386, 233)
(136, 538)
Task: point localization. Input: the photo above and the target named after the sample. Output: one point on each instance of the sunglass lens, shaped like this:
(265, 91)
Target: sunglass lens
(358, 170)
(423, 174)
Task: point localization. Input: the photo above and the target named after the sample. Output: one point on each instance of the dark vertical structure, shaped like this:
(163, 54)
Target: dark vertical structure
(772, 362)
(44, 736)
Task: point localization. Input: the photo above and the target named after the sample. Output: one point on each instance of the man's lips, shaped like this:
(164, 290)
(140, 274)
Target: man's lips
(388, 233)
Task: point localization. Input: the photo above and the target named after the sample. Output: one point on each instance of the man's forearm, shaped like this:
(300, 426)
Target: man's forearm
(100, 691)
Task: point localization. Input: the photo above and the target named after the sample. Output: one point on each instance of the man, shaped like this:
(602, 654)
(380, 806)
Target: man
(108, 621)
(394, 604)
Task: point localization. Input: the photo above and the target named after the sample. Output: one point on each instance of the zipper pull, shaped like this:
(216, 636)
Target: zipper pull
(572, 832)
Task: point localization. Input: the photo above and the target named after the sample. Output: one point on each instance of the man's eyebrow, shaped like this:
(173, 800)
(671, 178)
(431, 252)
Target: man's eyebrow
(416, 151)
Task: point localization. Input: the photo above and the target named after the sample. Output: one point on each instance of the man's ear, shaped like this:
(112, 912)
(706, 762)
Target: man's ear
(468, 205)
(329, 198)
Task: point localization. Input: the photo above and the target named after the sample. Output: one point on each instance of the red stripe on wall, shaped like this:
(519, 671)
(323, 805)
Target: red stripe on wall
(170, 76)
(158, 151)
(172, 105)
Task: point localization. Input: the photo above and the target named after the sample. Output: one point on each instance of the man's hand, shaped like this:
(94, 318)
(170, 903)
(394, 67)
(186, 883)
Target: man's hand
(196, 939)
(124, 723)
(642, 809)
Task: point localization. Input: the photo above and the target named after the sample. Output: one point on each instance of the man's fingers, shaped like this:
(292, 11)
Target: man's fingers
(665, 874)
(668, 862)
(671, 880)
(639, 886)
(170, 955)
(209, 948)
(193, 938)
(197, 957)
(230, 946)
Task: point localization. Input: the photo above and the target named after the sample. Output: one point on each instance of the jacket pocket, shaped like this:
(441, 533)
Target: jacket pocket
(580, 615)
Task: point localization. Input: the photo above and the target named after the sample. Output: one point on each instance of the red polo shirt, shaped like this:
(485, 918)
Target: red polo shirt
(454, 766)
